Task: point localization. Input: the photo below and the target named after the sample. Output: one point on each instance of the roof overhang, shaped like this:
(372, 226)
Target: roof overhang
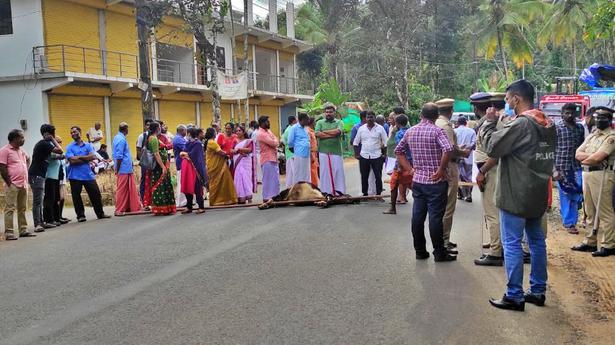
(286, 98)
(263, 35)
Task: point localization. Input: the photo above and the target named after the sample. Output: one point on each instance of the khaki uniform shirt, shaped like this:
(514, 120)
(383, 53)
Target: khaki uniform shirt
(445, 124)
(600, 141)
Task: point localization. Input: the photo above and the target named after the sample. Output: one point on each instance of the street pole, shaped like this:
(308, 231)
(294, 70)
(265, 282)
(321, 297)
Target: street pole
(245, 58)
(214, 75)
(475, 63)
(145, 81)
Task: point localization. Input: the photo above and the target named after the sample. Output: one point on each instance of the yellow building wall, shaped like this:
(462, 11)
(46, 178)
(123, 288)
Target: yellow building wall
(274, 117)
(74, 26)
(121, 44)
(174, 113)
(67, 111)
(127, 110)
(207, 114)
(173, 35)
(225, 113)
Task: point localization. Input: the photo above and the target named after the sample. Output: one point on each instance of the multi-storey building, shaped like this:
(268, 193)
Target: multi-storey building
(75, 62)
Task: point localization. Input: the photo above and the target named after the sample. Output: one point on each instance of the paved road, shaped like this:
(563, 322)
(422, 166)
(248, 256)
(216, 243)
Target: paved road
(343, 275)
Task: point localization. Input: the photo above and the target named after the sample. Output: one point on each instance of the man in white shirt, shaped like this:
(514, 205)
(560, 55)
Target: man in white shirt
(95, 136)
(372, 138)
(466, 139)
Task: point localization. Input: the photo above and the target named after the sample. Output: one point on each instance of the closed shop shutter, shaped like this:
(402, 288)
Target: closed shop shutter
(67, 111)
(174, 113)
(127, 110)
(76, 27)
(274, 117)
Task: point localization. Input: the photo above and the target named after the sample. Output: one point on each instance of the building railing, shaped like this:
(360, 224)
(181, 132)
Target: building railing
(67, 58)
(173, 71)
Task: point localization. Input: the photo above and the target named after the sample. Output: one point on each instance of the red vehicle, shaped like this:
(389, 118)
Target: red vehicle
(552, 105)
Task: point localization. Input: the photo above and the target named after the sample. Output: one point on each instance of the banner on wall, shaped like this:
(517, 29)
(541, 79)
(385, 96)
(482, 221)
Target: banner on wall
(233, 87)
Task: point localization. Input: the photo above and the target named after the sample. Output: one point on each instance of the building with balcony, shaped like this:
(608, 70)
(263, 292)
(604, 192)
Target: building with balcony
(75, 62)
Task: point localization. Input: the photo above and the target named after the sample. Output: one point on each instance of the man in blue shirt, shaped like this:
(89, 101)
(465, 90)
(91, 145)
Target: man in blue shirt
(126, 196)
(299, 145)
(179, 145)
(79, 155)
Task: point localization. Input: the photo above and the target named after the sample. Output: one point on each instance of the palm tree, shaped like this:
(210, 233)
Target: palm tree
(322, 22)
(500, 28)
(566, 23)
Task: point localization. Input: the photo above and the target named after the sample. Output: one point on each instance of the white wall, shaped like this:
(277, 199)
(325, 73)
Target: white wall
(225, 41)
(27, 33)
(32, 109)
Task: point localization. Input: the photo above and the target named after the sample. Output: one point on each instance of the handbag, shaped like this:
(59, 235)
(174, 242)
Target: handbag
(147, 160)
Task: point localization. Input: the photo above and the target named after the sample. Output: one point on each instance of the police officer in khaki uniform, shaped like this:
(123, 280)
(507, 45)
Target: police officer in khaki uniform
(485, 127)
(597, 155)
(445, 110)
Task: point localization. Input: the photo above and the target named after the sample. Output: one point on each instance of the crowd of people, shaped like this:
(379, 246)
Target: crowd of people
(518, 152)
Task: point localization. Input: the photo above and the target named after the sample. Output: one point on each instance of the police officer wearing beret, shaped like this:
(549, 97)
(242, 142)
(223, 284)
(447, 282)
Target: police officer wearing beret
(597, 156)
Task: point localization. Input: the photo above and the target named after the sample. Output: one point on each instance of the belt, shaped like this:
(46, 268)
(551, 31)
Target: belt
(595, 168)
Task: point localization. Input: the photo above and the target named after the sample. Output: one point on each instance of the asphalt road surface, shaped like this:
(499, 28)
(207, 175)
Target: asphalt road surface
(343, 275)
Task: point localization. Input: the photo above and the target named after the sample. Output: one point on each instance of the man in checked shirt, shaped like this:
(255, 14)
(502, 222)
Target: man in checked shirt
(570, 135)
(431, 151)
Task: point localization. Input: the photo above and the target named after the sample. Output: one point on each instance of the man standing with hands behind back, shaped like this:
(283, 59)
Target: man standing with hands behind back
(525, 148)
(430, 150)
(372, 138)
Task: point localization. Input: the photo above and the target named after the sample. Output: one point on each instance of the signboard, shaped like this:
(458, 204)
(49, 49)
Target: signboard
(233, 87)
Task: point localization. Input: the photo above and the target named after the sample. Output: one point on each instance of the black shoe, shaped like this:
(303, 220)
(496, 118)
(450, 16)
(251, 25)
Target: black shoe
(81, 220)
(49, 225)
(451, 245)
(104, 216)
(508, 304)
(468, 199)
(527, 258)
(422, 255)
(584, 248)
(57, 223)
(64, 221)
(538, 300)
(602, 252)
(452, 251)
(444, 258)
(489, 260)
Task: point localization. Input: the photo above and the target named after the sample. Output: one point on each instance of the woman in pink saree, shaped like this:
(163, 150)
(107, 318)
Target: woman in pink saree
(244, 164)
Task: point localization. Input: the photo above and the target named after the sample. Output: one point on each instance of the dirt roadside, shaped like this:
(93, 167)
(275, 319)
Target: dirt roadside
(584, 285)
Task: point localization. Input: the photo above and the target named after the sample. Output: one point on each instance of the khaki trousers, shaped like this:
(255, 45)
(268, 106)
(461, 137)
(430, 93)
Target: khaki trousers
(591, 190)
(492, 214)
(16, 200)
(453, 184)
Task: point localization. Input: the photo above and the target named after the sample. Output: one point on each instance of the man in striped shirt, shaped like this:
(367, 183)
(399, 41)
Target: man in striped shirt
(431, 151)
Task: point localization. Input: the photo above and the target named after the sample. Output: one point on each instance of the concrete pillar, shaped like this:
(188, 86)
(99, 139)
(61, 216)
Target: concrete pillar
(250, 11)
(273, 16)
(108, 130)
(290, 20)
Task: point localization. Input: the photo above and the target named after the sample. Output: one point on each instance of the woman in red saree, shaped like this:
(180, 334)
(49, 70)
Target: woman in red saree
(228, 139)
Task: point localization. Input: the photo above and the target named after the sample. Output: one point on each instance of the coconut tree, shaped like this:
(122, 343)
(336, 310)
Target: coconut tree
(565, 23)
(500, 27)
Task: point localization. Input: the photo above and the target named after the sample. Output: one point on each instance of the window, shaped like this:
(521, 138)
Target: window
(6, 19)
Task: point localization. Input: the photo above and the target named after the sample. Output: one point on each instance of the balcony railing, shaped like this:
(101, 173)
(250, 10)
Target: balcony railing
(67, 58)
(180, 72)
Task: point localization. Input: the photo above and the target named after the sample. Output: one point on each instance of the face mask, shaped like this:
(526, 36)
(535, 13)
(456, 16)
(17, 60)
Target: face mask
(603, 123)
(508, 111)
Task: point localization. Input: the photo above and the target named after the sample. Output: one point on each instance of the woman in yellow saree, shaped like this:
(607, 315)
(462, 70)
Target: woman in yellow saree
(221, 185)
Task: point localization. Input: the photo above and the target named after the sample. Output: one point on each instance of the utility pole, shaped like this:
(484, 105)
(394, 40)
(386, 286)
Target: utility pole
(216, 23)
(475, 63)
(145, 80)
(245, 58)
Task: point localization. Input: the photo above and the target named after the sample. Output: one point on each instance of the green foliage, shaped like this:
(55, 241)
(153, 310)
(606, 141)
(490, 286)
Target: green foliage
(602, 23)
(330, 92)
